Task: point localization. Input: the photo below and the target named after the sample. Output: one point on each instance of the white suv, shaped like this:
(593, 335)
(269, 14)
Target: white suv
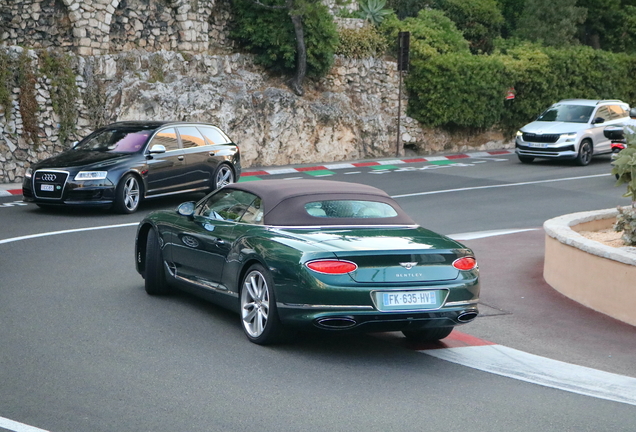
(571, 129)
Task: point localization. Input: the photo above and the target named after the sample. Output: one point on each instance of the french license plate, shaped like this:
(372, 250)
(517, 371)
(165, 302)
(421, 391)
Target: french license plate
(47, 188)
(409, 300)
(538, 145)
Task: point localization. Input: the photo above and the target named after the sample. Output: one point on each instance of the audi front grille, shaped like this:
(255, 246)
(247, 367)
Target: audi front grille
(49, 184)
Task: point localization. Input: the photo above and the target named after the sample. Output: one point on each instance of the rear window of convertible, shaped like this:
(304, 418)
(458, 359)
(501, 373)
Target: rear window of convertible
(350, 209)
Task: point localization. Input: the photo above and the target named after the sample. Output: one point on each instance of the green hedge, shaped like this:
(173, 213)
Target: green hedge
(468, 91)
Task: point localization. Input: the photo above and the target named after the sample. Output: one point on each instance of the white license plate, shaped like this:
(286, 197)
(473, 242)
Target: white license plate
(409, 298)
(47, 188)
(538, 145)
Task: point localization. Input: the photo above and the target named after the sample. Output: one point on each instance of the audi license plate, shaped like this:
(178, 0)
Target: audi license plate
(409, 300)
(47, 188)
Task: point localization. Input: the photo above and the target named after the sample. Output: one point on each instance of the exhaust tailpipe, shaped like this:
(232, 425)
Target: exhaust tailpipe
(467, 316)
(336, 323)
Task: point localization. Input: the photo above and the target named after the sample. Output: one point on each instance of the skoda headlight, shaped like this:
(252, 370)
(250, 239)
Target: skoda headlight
(28, 173)
(90, 175)
(569, 137)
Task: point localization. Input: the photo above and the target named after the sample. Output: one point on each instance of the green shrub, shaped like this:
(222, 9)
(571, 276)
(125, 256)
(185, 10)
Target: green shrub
(6, 82)
(373, 11)
(457, 90)
(361, 43)
(432, 33)
(29, 108)
(269, 34)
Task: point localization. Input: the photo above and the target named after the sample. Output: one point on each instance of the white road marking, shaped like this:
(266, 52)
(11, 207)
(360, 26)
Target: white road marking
(499, 186)
(512, 363)
(52, 233)
(18, 427)
(484, 234)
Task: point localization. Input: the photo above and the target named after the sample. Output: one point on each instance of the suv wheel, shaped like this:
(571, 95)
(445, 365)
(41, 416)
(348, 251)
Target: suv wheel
(585, 153)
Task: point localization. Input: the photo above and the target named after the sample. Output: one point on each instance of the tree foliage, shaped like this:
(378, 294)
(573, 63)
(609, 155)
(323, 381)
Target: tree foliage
(553, 23)
(271, 36)
(479, 20)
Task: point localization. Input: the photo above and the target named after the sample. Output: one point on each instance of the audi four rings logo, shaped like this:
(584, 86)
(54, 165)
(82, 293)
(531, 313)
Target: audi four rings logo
(49, 177)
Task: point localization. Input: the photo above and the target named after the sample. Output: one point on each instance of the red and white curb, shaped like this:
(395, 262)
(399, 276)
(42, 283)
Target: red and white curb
(10, 192)
(336, 166)
(482, 355)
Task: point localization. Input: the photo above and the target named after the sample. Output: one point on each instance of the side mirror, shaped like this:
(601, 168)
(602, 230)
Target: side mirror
(75, 143)
(598, 120)
(186, 208)
(157, 148)
(632, 113)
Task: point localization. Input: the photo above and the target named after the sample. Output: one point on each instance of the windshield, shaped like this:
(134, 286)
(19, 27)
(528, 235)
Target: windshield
(567, 113)
(115, 141)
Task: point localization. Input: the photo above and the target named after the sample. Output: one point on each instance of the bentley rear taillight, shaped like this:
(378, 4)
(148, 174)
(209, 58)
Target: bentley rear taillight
(332, 266)
(466, 263)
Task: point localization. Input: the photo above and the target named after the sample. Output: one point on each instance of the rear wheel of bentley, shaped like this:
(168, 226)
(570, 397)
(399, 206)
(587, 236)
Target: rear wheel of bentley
(259, 316)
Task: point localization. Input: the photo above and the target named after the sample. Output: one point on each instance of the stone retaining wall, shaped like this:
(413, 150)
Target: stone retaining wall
(350, 114)
(598, 276)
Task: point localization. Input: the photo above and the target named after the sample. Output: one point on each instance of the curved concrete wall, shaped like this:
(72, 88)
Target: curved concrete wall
(600, 277)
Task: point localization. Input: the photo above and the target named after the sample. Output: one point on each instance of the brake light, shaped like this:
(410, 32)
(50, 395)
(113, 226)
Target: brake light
(466, 263)
(332, 266)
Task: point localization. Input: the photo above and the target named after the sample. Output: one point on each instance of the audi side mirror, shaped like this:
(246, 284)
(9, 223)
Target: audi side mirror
(157, 148)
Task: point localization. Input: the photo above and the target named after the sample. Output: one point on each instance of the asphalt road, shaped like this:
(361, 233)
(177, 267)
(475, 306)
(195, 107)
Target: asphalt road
(85, 349)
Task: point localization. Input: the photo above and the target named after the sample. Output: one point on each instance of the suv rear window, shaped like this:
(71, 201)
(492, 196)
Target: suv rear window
(350, 209)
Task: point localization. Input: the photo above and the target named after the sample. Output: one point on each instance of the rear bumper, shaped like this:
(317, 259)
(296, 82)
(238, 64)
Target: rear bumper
(367, 319)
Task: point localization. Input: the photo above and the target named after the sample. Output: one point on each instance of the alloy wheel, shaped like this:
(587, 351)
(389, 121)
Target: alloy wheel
(131, 194)
(255, 303)
(224, 176)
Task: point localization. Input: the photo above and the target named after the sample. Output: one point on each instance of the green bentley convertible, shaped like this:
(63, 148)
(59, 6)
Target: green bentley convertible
(292, 255)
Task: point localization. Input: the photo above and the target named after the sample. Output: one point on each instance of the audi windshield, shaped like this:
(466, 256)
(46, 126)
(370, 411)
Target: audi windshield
(567, 113)
(125, 140)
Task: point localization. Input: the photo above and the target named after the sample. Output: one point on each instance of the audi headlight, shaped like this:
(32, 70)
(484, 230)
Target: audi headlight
(569, 137)
(90, 175)
(28, 173)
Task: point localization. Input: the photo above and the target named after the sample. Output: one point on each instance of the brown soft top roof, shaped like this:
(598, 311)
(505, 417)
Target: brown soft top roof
(284, 201)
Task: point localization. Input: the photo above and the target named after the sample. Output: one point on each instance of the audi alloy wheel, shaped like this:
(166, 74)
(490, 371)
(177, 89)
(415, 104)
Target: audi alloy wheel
(223, 176)
(127, 195)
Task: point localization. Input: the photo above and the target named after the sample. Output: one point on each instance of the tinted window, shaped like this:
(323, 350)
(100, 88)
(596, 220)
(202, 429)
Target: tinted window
(213, 135)
(166, 138)
(228, 205)
(350, 209)
(190, 137)
(115, 141)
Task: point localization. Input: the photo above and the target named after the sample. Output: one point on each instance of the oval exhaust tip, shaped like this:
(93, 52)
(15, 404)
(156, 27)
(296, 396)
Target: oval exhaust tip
(338, 323)
(465, 317)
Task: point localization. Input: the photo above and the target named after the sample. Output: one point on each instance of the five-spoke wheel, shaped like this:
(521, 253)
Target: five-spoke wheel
(223, 176)
(127, 195)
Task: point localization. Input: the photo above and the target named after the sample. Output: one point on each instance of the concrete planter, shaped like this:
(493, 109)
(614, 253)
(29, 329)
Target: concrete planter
(600, 277)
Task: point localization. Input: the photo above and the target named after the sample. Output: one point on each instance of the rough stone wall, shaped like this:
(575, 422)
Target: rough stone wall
(92, 27)
(35, 23)
(348, 115)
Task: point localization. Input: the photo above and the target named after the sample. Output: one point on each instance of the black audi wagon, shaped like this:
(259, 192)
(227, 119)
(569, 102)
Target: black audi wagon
(120, 164)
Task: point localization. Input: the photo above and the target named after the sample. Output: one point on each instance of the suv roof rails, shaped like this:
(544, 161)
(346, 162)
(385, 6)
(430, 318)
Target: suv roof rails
(597, 101)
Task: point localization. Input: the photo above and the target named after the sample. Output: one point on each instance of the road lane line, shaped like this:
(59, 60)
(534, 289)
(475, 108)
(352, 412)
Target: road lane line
(484, 234)
(18, 427)
(52, 233)
(499, 186)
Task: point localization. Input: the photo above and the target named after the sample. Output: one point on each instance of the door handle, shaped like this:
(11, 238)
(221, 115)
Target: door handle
(180, 158)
